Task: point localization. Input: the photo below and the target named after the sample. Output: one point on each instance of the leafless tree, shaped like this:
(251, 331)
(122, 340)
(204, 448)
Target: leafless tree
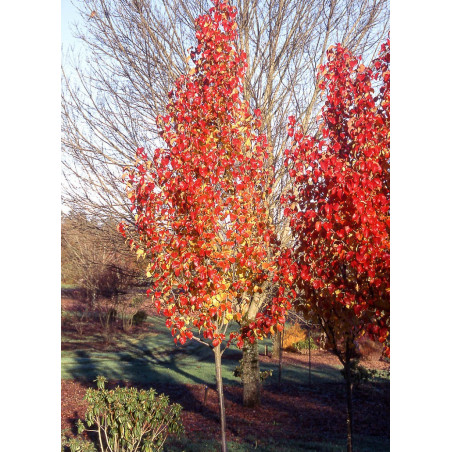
(135, 49)
(94, 257)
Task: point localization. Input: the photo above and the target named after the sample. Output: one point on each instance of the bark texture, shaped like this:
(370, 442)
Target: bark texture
(250, 369)
(277, 345)
(219, 378)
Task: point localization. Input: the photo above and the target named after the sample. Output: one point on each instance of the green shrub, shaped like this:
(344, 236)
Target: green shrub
(303, 346)
(128, 419)
(75, 444)
(359, 374)
(80, 445)
(139, 317)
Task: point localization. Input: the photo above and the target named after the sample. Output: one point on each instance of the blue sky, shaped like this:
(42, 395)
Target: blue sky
(69, 16)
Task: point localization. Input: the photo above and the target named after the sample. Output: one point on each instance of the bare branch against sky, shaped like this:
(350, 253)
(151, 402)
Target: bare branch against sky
(133, 50)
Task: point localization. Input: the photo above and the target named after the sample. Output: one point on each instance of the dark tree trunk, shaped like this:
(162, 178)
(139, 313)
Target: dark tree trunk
(217, 352)
(348, 384)
(277, 345)
(251, 375)
(281, 342)
(309, 348)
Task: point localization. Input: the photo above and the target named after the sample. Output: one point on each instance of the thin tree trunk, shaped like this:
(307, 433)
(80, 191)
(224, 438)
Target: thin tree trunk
(281, 342)
(276, 351)
(348, 384)
(251, 375)
(309, 347)
(217, 353)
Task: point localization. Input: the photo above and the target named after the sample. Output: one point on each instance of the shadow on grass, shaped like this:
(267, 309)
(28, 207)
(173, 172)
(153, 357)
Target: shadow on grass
(296, 416)
(362, 444)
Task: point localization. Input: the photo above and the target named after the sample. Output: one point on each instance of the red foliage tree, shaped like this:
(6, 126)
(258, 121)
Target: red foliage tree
(201, 215)
(339, 205)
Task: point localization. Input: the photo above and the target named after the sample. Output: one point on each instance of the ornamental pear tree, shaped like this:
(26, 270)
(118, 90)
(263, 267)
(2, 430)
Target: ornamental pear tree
(339, 208)
(201, 217)
(134, 50)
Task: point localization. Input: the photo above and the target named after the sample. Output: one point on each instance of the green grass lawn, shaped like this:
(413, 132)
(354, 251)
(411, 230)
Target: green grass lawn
(154, 358)
(68, 286)
(362, 444)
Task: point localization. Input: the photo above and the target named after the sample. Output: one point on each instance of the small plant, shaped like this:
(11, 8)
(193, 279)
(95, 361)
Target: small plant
(80, 322)
(139, 317)
(359, 374)
(303, 345)
(76, 320)
(78, 445)
(128, 419)
(65, 318)
(265, 374)
(128, 309)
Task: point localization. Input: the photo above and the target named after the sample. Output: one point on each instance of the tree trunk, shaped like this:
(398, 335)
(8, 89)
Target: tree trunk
(309, 348)
(348, 384)
(281, 339)
(251, 375)
(277, 345)
(217, 352)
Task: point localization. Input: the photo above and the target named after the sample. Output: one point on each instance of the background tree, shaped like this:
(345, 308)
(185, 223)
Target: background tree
(135, 49)
(95, 259)
(339, 206)
(201, 218)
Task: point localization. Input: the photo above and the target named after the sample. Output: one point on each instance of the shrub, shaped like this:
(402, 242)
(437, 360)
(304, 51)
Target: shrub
(65, 318)
(359, 374)
(127, 309)
(77, 445)
(113, 313)
(367, 347)
(139, 317)
(293, 334)
(128, 419)
(303, 346)
(74, 319)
